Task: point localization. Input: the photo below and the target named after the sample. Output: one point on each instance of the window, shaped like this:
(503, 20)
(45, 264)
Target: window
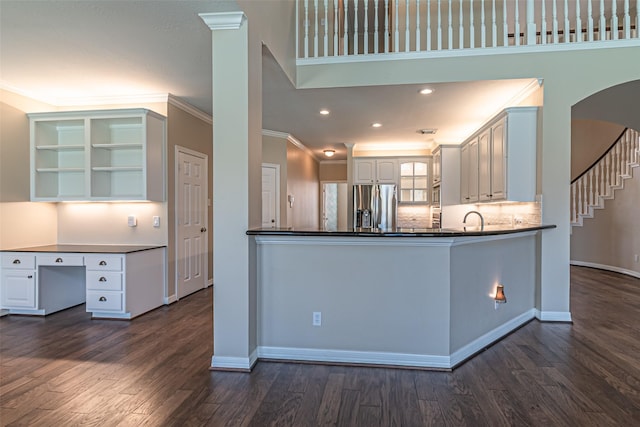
(413, 182)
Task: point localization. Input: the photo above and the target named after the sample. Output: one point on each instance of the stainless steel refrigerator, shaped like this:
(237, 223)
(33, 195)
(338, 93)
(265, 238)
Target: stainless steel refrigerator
(375, 206)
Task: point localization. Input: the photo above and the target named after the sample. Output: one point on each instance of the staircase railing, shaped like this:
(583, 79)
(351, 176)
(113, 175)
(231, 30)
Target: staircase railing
(597, 183)
(333, 28)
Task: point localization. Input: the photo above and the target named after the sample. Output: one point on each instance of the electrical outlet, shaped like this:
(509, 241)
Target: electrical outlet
(132, 221)
(317, 318)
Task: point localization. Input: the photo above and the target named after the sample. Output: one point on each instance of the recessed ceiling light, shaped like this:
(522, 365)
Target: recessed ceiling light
(324, 112)
(427, 131)
(329, 153)
(426, 91)
(376, 125)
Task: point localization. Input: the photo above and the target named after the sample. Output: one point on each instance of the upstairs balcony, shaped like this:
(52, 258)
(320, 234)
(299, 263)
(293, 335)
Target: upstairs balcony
(332, 31)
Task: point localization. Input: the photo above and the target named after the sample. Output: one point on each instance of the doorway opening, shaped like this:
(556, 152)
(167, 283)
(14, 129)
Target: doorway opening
(334, 206)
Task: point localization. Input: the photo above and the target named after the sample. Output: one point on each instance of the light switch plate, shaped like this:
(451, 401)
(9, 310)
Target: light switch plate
(156, 221)
(132, 221)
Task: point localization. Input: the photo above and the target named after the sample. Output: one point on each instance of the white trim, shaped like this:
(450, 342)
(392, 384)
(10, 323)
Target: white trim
(170, 300)
(457, 53)
(553, 316)
(492, 237)
(3, 312)
(352, 241)
(241, 363)
(210, 282)
(490, 337)
(276, 166)
(613, 268)
(176, 178)
(223, 20)
(292, 139)
(188, 108)
(334, 162)
(357, 357)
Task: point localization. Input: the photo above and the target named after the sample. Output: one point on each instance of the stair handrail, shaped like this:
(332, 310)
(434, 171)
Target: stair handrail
(601, 157)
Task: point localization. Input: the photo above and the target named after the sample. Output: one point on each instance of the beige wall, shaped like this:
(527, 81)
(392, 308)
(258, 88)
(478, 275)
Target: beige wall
(333, 170)
(589, 140)
(274, 151)
(303, 185)
(611, 238)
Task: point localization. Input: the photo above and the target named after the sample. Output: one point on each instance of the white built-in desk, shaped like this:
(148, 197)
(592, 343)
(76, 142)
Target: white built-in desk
(115, 281)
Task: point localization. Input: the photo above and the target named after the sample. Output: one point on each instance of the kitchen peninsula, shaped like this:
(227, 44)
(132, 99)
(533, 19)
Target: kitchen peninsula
(406, 297)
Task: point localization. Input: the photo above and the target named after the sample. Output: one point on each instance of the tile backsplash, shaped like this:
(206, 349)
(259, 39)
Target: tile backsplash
(414, 216)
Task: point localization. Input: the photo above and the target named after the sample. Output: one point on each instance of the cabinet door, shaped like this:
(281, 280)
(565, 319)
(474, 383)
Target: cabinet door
(498, 161)
(386, 171)
(18, 289)
(464, 174)
(437, 164)
(473, 171)
(364, 171)
(484, 165)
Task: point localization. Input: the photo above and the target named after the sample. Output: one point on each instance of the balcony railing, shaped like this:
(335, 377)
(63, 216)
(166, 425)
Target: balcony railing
(335, 28)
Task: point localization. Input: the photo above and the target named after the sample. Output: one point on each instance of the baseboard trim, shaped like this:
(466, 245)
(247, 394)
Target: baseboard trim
(170, 300)
(486, 340)
(613, 268)
(425, 361)
(241, 364)
(554, 316)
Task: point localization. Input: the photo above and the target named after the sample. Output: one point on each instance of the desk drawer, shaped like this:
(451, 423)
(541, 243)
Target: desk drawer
(104, 280)
(104, 262)
(104, 301)
(60, 259)
(19, 260)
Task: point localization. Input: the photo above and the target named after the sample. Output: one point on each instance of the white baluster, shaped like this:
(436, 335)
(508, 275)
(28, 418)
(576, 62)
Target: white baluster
(580, 209)
(472, 31)
(315, 29)
(396, 45)
(306, 28)
(614, 19)
(555, 22)
(375, 30)
(417, 25)
(386, 26)
(627, 21)
(366, 27)
(407, 35)
(531, 23)
(439, 25)
(585, 200)
(543, 24)
(597, 182)
(603, 22)
(638, 19)
(336, 47)
(461, 28)
(483, 27)
(567, 27)
(450, 29)
(603, 174)
(345, 36)
(505, 24)
(591, 195)
(494, 27)
(589, 21)
(355, 28)
(618, 165)
(573, 202)
(517, 26)
(325, 46)
(578, 23)
(428, 24)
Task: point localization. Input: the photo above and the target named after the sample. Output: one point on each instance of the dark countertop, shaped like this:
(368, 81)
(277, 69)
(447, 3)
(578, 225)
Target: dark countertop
(489, 230)
(85, 249)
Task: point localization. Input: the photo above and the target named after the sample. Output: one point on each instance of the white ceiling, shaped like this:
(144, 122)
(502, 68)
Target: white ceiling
(83, 52)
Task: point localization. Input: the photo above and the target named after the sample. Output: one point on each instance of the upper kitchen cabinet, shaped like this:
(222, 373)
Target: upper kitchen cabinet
(500, 159)
(375, 171)
(414, 187)
(446, 175)
(98, 155)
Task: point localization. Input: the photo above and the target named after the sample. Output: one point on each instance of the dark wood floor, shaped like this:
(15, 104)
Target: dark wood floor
(66, 370)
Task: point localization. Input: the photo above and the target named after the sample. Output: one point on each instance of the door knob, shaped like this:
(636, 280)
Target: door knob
(203, 229)
(273, 220)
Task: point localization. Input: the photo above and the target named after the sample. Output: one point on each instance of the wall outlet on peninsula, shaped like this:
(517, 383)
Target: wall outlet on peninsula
(317, 318)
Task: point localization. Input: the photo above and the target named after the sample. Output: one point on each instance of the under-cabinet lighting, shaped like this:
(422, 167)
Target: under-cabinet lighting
(426, 91)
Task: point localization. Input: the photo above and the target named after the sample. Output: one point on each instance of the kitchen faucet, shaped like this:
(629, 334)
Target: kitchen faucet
(464, 221)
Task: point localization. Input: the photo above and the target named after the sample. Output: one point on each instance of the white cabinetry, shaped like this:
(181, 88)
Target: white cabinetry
(375, 171)
(414, 177)
(18, 288)
(446, 189)
(499, 161)
(97, 155)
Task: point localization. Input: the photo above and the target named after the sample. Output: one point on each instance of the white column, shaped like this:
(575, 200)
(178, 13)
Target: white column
(237, 153)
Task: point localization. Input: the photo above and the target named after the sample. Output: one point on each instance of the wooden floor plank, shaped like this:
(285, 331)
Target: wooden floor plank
(69, 369)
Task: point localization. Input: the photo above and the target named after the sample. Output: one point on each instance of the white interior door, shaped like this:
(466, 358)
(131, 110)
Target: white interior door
(191, 218)
(270, 195)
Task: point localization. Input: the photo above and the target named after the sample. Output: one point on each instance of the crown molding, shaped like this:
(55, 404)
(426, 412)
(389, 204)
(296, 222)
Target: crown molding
(223, 20)
(292, 139)
(188, 108)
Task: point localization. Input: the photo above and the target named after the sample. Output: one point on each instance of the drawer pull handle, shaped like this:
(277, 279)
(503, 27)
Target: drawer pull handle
(102, 299)
(16, 261)
(59, 260)
(102, 279)
(102, 263)
(30, 277)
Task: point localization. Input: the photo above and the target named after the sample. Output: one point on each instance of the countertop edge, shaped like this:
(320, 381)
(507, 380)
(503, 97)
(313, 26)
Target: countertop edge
(86, 249)
(435, 233)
